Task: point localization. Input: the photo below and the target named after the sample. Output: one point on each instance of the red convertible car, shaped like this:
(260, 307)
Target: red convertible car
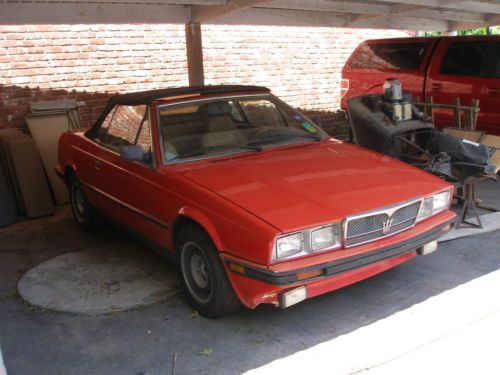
(253, 201)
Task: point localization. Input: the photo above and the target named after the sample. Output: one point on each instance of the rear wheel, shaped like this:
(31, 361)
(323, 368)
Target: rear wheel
(84, 214)
(202, 275)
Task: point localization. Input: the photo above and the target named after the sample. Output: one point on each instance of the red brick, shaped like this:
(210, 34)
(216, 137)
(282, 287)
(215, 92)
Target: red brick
(88, 62)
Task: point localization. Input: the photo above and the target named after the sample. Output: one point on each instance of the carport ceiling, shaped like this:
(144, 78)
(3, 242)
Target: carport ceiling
(435, 15)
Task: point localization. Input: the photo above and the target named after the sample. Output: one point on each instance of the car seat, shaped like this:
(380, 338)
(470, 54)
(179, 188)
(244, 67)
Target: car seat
(222, 131)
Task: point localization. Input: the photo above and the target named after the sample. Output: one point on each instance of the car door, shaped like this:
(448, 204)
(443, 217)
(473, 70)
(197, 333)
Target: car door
(128, 190)
(467, 69)
(375, 61)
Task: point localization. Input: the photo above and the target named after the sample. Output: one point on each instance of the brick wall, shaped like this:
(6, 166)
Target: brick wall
(89, 62)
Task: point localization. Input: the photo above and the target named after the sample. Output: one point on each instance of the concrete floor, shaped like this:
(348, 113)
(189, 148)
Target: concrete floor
(266, 340)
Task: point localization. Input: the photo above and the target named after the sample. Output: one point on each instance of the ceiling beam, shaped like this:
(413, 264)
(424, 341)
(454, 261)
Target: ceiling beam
(282, 17)
(475, 6)
(149, 2)
(369, 11)
(85, 13)
(204, 13)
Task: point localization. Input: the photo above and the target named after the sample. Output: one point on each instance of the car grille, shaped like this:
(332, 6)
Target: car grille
(382, 223)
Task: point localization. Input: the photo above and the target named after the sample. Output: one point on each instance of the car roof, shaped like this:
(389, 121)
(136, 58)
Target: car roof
(146, 97)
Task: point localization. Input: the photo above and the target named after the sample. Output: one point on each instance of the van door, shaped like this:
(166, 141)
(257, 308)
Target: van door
(467, 68)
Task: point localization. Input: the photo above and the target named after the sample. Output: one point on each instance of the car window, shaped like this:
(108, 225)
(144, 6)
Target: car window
(144, 139)
(473, 59)
(389, 56)
(262, 113)
(494, 61)
(107, 121)
(122, 128)
(223, 126)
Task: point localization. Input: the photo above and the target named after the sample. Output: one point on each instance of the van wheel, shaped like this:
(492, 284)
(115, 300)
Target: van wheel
(84, 214)
(202, 275)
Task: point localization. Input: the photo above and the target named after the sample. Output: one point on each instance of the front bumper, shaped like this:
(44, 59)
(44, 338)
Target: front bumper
(255, 285)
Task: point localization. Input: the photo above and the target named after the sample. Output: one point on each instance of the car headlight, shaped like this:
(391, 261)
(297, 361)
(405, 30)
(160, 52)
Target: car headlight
(289, 245)
(307, 241)
(434, 204)
(325, 238)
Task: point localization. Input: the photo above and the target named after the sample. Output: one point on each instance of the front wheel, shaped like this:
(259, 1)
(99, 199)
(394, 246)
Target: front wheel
(202, 275)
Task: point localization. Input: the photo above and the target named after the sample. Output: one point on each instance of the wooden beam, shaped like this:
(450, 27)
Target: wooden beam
(279, 17)
(194, 52)
(85, 13)
(205, 13)
(372, 10)
(475, 6)
(328, 6)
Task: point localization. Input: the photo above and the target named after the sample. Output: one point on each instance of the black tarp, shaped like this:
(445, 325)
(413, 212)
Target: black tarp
(7, 204)
(373, 129)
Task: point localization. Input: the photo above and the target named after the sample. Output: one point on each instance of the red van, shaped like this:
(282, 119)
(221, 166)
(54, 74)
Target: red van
(466, 67)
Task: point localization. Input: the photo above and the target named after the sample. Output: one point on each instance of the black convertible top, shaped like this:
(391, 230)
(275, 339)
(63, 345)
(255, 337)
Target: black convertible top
(146, 97)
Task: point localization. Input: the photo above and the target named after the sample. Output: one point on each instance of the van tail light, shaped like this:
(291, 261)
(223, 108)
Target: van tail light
(344, 87)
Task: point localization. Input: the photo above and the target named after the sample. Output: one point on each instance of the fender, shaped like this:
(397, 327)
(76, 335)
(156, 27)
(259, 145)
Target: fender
(65, 156)
(202, 219)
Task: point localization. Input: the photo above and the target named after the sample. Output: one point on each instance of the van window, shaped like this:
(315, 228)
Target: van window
(389, 56)
(494, 60)
(473, 59)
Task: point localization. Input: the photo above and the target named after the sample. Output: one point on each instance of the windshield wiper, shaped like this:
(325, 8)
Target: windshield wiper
(314, 137)
(250, 146)
(188, 155)
(204, 153)
(284, 137)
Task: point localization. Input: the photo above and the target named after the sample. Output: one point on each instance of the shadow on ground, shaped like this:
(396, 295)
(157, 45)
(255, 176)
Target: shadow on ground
(144, 341)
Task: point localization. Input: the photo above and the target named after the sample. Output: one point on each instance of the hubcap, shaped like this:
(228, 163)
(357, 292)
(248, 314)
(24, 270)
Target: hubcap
(199, 271)
(196, 272)
(78, 202)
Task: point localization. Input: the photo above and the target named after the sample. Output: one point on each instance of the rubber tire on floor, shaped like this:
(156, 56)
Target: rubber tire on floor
(223, 300)
(90, 219)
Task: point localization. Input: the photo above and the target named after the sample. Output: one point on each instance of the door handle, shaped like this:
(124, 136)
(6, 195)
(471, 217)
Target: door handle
(436, 87)
(492, 91)
(98, 164)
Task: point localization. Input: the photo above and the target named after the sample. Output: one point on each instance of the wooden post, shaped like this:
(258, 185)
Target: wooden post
(470, 116)
(457, 118)
(194, 52)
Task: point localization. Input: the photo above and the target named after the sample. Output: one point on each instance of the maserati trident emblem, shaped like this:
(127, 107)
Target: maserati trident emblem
(386, 225)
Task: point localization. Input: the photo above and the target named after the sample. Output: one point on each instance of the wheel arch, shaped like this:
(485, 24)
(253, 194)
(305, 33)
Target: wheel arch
(69, 170)
(193, 216)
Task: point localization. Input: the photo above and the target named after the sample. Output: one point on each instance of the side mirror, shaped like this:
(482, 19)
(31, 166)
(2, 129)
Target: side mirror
(132, 153)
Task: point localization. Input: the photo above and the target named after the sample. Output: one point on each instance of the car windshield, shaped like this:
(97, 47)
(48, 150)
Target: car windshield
(214, 127)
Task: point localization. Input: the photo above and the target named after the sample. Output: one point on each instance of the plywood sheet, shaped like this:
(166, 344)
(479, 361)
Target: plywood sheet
(31, 177)
(46, 131)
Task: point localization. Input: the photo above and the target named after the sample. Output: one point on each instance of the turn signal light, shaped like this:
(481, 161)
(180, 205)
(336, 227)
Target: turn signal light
(237, 268)
(309, 274)
(344, 87)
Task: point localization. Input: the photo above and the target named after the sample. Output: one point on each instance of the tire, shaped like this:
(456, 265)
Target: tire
(84, 214)
(202, 275)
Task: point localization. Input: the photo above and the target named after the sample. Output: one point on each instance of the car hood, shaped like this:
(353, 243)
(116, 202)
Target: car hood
(311, 184)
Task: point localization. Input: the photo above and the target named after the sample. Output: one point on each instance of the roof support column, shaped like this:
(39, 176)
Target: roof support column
(194, 50)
